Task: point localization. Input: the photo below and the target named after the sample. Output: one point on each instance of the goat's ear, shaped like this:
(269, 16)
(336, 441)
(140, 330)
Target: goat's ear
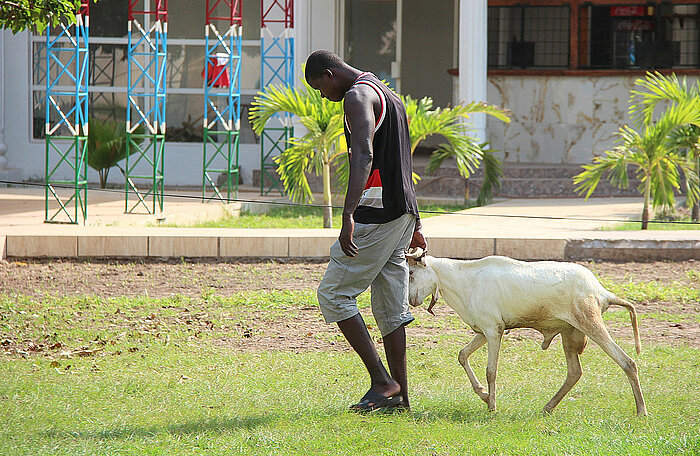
(421, 260)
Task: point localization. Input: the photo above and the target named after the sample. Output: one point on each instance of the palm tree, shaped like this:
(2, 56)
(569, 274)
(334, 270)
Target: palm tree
(106, 145)
(322, 148)
(651, 150)
(449, 123)
(658, 89)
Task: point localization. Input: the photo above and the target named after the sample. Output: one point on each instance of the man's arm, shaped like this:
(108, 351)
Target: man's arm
(359, 110)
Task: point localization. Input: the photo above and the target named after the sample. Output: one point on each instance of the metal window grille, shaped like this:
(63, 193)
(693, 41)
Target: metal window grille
(528, 36)
(643, 36)
(684, 24)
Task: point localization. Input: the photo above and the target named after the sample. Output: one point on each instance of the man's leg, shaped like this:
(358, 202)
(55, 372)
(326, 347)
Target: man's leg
(390, 307)
(346, 278)
(355, 331)
(395, 349)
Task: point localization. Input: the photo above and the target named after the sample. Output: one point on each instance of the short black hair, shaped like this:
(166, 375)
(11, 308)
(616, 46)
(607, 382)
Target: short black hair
(320, 61)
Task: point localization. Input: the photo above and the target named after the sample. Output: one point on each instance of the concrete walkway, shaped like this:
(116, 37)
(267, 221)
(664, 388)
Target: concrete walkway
(520, 228)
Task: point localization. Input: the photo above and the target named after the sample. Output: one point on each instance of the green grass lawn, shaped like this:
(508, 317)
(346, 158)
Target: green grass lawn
(157, 378)
(635, 226)
(196, 399)
(301, 217)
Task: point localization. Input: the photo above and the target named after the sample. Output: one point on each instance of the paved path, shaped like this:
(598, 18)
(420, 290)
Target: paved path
(522, 228)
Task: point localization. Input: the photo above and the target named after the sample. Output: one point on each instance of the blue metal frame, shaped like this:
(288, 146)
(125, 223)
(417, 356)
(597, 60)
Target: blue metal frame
(276, 69)
(222, 105)
(146, 99)
(67, 129)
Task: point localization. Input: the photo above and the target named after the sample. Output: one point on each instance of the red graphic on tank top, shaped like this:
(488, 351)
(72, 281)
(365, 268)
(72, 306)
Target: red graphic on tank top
(374, 180)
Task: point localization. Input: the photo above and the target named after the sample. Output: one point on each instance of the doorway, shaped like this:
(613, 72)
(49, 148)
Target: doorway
(405, 42)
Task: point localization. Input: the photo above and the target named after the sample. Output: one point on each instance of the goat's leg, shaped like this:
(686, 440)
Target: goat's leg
(592, 325)
(493, 339)
(573, 341)
(464, 355)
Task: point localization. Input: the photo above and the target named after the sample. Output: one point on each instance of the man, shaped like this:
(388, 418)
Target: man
(380, 220)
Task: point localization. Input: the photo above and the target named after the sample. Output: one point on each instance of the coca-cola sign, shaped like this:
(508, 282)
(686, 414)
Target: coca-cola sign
(627, 11)
(636, 25)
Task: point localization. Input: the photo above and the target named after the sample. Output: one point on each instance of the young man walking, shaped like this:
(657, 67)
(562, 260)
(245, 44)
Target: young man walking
(380, 220)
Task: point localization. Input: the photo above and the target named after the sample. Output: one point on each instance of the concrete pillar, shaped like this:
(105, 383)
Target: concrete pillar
(3, 146)
(473, 33)
(302, 38)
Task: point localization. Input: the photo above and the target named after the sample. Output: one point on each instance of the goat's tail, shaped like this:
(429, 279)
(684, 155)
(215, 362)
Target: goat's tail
(633, 316)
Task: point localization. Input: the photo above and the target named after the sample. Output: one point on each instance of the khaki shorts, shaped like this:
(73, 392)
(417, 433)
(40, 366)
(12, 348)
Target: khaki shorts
(381, 263)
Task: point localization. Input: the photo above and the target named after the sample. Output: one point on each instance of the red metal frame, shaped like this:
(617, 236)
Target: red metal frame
(234, 7)
(160, 12)
(286, 6)
(84, 8)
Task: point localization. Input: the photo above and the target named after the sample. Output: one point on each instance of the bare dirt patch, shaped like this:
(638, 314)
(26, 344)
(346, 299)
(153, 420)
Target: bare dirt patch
(304, 329)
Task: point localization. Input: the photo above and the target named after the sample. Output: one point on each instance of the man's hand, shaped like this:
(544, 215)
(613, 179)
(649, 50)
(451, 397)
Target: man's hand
(345, 238)
(418, 240)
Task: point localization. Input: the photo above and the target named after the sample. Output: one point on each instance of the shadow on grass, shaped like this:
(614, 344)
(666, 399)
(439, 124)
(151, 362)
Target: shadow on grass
(251, 422)
(454, 414)
(194, 427)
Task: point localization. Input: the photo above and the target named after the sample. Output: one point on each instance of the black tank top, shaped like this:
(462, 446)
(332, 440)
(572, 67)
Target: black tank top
(389, 192)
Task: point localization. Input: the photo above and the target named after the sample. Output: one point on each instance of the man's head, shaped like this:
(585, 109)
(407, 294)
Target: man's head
(324, 72)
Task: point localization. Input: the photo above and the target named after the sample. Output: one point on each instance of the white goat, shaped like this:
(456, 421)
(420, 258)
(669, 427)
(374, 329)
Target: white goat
(498, 293)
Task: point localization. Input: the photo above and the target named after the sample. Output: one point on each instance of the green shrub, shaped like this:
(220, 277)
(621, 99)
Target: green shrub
(107, 146)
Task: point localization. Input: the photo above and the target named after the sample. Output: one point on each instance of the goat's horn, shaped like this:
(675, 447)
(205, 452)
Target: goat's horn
(414, 253)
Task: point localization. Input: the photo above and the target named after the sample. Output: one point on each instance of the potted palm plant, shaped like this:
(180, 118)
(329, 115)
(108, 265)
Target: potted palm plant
(652, 149)
(322, 150)
(107, 146)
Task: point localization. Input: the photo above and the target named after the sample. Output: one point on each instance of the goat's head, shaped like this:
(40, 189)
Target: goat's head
(422, 279)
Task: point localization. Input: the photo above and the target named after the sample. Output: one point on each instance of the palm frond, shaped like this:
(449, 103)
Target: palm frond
(692, 182)
(492, 177)
(483, 108)
(613, 163)
(293, 164)
(466, 152)
(425, 121)
(655, 88)
(304, 103)
(685, 139)
(450, 123)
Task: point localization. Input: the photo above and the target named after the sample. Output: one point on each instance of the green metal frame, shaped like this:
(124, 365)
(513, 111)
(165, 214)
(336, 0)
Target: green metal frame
(278, 138)
(150, 155)
(57, 156)
(224, 148)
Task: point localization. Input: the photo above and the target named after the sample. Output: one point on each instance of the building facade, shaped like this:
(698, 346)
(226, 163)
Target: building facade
(563, 67)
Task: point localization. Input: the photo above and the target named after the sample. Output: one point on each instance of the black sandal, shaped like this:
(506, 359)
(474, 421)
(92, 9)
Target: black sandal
(374, 401)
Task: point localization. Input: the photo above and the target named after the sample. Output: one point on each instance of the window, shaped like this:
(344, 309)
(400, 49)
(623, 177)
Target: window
(597, 35)
(528, 37)
(641, 36)
(370, 36)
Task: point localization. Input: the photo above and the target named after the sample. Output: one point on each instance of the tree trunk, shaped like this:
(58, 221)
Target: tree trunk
(103, 173)
(327, 200)
(695, 211)
(646, 212)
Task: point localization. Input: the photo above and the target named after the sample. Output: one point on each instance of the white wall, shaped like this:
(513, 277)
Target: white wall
(555, 120)
(22, 153)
